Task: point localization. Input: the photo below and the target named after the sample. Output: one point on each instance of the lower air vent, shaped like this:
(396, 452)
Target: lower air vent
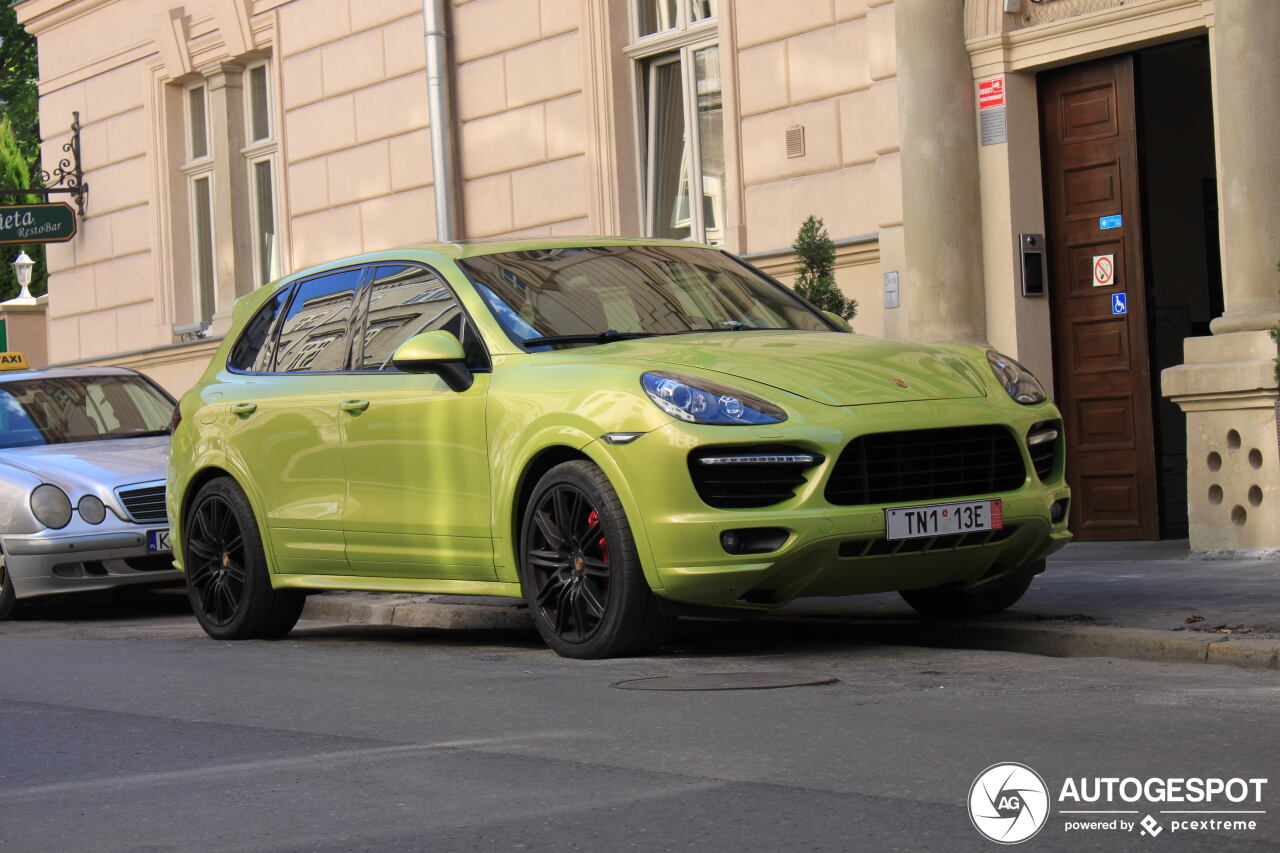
(1042, 442)
(925, 544)
(738, 477)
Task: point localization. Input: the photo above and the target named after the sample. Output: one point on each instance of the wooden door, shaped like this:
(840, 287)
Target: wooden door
(1101, 360)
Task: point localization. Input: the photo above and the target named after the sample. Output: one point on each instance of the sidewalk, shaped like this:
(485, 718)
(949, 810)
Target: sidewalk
(1136, 600)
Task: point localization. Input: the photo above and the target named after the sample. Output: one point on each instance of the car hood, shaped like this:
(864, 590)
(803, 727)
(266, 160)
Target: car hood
(91, 466)
(830, 368)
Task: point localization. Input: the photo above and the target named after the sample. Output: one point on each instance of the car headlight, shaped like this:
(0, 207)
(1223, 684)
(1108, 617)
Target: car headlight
(91, 509)
(702, 401)
(1022, 386)
(51, 506)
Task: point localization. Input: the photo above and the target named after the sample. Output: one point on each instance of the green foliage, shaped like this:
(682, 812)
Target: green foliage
(15, 173)
(815, 269)
(19, 139)
(19, 73)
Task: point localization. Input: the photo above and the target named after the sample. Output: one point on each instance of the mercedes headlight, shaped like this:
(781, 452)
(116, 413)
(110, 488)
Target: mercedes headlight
(51, 506)
(702, 401)
(91, 509)
(1022, 386)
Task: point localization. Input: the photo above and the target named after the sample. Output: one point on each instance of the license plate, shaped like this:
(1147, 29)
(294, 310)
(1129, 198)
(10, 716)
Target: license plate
(915, 522)
(158, 540)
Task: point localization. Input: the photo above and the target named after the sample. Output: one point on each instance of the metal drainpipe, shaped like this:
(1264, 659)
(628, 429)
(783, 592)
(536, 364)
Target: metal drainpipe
(440, 114)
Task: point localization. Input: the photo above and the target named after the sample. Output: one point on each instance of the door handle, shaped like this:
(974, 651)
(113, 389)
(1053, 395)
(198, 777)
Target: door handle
(243, 408)
(354, 406)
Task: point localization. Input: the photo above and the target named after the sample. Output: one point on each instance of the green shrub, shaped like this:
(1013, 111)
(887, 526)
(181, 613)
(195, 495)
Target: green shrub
(815, 268)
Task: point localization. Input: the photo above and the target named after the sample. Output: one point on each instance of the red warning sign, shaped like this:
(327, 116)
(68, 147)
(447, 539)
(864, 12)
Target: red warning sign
(1104, 270)
(991, 93)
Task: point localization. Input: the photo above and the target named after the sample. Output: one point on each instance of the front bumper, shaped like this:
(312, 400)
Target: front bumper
(830, 549)
(60, 561)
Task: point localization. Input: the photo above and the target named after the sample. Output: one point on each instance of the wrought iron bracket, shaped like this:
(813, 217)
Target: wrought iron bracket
(67, 177)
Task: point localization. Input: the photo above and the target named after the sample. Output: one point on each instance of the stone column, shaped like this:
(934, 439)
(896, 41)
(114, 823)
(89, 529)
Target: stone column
(1246, 43)
(1227, 386)
(233, 249)
(943, 294)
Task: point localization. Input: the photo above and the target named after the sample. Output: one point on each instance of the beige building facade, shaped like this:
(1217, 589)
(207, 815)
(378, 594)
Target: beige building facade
(977, 162)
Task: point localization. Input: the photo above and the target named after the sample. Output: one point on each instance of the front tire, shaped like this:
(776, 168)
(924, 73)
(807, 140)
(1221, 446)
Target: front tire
(227, 579)
(580, 570)
(10, 607)
(953, 601)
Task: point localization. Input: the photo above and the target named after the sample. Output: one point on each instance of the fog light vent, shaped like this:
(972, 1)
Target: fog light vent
(753, 540)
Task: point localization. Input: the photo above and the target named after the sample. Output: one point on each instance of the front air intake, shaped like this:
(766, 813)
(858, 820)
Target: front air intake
(738, 477)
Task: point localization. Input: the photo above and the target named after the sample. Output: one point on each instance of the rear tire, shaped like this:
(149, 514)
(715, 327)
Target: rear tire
(228, 583)
(953, 601)
(580, 570)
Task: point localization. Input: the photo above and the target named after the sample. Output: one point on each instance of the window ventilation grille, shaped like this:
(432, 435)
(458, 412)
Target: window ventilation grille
(795, 141)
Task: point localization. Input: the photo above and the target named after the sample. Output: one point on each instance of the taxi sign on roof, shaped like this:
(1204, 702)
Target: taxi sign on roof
(13, 361)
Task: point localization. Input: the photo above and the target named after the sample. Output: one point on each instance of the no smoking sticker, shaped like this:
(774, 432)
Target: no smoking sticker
(1104, 270)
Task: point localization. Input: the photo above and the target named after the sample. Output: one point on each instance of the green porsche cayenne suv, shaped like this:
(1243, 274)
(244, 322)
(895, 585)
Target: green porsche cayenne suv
(618, 431)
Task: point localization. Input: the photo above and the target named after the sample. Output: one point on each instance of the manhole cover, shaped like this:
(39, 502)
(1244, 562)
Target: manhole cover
(726, 681)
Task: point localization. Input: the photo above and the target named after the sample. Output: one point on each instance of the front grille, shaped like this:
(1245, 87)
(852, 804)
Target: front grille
(926, 464)
(145, 505)
(924, 544)
(1044, 456)
(754, 483)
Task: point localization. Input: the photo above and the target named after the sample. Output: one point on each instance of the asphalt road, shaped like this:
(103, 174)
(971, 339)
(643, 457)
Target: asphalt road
(129, 730)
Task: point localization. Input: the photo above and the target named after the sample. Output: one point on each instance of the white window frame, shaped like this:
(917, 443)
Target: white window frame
(255, 152)
(195, 169)
(678, 44)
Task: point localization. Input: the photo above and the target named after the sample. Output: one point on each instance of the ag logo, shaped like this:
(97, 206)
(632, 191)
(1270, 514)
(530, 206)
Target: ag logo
(1008, 803)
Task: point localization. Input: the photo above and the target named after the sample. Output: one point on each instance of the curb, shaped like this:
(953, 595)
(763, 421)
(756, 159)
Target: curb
(480, 613)
(1072, 641)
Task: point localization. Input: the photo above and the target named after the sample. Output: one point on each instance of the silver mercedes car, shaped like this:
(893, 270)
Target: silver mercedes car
(82, 467)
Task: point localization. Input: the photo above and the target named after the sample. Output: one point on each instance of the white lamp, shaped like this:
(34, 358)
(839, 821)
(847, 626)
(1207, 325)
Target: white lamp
(22, 266)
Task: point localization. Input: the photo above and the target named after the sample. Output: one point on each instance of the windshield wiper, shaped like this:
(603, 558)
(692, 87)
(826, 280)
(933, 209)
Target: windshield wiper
(136, 433)
(588, 338)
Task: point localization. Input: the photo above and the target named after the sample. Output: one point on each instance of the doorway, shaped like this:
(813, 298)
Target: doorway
(1131, 220)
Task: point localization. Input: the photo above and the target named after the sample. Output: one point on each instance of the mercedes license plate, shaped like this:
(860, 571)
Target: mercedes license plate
(158, 540)
(914, 522)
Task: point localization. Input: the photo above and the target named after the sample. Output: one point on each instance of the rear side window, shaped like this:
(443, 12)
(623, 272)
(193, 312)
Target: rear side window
(252, 353)
(315, 327)
(407, 300)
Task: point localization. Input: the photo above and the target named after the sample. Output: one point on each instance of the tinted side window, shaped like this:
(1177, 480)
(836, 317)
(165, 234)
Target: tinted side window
(313, 333)
(408, 300)
(253, 351)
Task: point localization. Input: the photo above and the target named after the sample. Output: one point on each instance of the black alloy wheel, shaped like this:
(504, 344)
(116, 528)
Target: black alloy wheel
(568, 558)
(215, 568)
(227, 578)
(581, 574)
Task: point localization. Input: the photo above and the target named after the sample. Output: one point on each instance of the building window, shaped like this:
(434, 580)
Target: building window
(260, 154)
(199, 173)
(679, 66)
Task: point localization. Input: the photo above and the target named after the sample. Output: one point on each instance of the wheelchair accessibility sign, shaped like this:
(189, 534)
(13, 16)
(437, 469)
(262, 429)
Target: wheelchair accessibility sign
(1119, 303)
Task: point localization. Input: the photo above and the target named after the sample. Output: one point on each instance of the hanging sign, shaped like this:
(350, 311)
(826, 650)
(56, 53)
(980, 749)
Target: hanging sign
(36, 223)
(1104, 270)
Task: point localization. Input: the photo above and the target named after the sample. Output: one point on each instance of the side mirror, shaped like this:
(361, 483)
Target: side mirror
(838, 320)
(435, 352)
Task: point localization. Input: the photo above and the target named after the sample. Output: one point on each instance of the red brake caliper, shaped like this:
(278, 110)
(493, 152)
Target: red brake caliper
(592, 520)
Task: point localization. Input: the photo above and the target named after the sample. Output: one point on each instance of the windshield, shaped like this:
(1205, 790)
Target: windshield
(631, 291)
(80, 408)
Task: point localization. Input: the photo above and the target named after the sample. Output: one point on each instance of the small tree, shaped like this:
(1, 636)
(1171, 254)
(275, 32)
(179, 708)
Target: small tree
(815, 268)
(15, 173)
